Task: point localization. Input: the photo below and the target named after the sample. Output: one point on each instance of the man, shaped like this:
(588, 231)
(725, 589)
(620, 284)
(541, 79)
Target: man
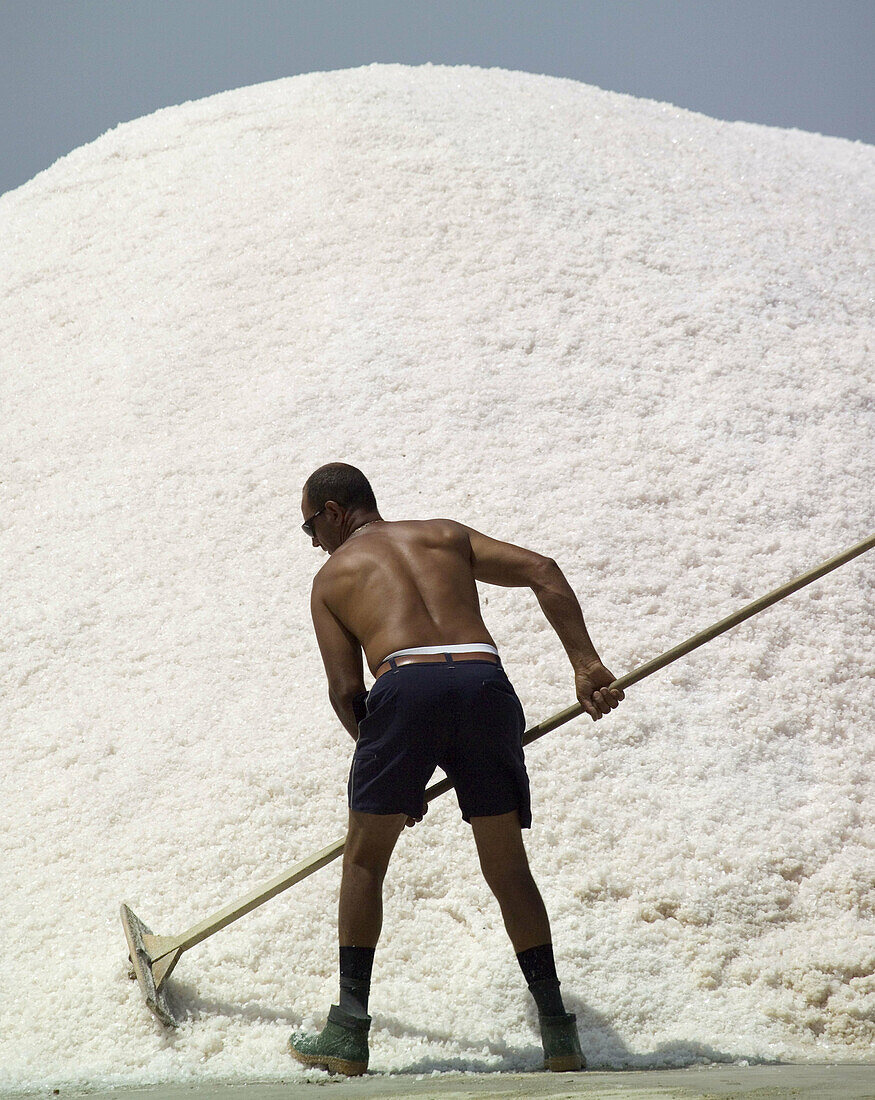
(405, 593)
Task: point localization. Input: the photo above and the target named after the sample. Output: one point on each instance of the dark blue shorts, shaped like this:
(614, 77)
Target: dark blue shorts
(464, 718)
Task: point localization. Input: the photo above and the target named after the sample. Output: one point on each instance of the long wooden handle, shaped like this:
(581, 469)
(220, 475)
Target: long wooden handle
(307, 867)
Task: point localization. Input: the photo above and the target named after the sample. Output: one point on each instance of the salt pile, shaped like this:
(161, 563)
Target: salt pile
(623, 334)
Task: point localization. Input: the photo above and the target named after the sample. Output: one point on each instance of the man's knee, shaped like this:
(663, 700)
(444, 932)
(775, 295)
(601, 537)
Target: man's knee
(502, 852)
(370, 840)
(503, 878)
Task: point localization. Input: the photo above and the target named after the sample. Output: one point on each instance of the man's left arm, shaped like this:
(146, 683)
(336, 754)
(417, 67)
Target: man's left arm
(342, 657)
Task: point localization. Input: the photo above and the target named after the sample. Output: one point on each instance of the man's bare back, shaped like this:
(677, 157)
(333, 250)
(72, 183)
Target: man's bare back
(395, 585)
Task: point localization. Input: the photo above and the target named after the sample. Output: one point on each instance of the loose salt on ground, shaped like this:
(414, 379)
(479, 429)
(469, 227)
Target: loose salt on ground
(629, 336)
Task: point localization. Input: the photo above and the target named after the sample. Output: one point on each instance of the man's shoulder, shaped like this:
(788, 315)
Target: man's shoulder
(322, 578)
(440, 531)
(438, 525)
(450, 526)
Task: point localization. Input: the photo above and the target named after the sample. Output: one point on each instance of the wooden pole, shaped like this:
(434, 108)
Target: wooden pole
(160, 946)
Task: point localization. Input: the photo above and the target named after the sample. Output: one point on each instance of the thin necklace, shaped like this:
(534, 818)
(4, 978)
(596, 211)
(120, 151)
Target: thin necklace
(363, 526)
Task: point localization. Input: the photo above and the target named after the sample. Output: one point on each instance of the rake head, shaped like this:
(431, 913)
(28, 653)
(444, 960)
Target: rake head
(150, 965)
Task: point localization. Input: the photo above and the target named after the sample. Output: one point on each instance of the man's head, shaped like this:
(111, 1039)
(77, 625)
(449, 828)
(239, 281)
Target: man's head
(337, 499)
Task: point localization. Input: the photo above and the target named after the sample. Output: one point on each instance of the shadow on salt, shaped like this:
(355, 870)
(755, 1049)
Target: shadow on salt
(597, 1034)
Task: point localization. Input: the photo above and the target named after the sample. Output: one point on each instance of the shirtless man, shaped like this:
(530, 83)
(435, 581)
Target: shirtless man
(405, 593)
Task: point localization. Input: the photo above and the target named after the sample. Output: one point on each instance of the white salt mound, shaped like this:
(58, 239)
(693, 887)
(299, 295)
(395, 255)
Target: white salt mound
(628, 336)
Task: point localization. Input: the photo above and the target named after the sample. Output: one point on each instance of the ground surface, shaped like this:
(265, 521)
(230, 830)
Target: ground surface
(809, 1082)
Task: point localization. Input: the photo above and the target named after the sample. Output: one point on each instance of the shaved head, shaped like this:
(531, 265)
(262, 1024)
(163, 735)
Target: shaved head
(342, 483)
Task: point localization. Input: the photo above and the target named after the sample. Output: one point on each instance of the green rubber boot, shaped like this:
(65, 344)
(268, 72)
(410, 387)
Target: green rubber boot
(341, 1046)
(561, 1043)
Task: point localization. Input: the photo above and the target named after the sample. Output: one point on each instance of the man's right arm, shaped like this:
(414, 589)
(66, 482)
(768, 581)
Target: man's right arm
(502, 563)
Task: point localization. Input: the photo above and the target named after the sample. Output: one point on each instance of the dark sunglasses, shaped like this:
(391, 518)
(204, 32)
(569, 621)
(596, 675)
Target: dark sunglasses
(307, 525)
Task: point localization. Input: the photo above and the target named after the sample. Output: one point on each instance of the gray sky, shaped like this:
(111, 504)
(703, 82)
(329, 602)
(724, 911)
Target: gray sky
(72, 69)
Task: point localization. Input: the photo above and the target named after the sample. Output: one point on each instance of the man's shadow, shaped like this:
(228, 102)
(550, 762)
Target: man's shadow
(602, 1046)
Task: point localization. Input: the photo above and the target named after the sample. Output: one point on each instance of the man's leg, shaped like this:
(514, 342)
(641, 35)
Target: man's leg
(506, 870)
(505, 867)
(342, 1046)
(370, 840)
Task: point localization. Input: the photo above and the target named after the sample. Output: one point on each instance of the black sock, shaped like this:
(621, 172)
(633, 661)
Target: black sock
(356, 964)
(539, 970)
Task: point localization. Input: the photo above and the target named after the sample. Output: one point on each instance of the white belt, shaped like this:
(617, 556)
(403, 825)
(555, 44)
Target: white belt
(473, 647)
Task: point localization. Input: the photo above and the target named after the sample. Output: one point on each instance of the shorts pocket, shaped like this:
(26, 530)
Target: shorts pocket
(360, 760)
(505, 689)
(379, 695)
(503, 686)
(379, 705)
